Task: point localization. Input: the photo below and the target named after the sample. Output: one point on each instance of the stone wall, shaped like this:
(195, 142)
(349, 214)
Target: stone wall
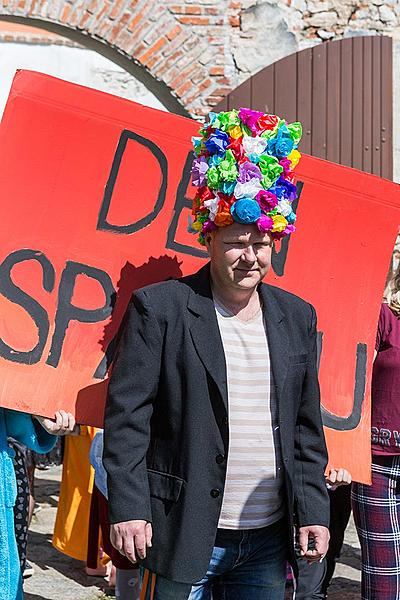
(191, 53)
(195, 51)
(271, 29)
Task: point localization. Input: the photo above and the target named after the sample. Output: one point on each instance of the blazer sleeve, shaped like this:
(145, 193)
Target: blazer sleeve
(310, 453)
(132, 390)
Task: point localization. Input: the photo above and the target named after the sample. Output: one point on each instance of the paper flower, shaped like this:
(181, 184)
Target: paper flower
(227, 168)
(204, 193)
(199, 170)
(235, 132)
(249, 189)
(244, 171)
(287, 231)
(212, 206)
(250, 118)
(267, 122)
(215, 160)
(280, 223)
(229, 119)
(266, 200)
(245, 211)
(223, 216)
(254, 145)
(265, 223)
(270, 168)
(294, 158)
(295, 131)
(286, 166)
(248, 171)
(237, 149)
(283, 189)
(227, 187)
(284, 207)
(282, 144)
(208, 226)
(213, 178)
(217, 142)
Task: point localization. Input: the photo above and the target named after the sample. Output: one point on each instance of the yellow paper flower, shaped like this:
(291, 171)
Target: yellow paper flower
(280, 223)
(235, 132)
(197, 225)
(294, 158)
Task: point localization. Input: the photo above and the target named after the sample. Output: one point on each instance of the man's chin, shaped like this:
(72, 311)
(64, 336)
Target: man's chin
(246, 278)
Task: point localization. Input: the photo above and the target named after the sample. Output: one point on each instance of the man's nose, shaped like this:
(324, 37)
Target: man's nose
(249, 255)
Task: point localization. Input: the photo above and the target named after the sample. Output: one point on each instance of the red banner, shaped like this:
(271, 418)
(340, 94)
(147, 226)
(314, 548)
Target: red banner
(96, 197)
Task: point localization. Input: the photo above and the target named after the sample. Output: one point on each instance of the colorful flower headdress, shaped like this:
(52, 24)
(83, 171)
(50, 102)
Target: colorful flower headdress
(243, 169)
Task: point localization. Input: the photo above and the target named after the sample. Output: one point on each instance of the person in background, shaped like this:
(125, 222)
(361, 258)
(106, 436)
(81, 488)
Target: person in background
(127, 581)
(37, 433)
(25, 461)
(72, 520)
(314, 579)
(376, 508)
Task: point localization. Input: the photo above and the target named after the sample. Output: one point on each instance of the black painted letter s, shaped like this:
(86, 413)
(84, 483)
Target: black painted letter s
(32, 307)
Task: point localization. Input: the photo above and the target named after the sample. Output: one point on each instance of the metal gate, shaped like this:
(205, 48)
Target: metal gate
(342, 93)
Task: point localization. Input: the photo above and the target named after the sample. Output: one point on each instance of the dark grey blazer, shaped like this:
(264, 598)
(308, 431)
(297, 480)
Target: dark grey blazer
(167, 419)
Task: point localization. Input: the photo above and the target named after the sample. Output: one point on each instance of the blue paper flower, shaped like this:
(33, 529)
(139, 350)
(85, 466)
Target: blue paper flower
(217, 142)
(227, 187)
(281, 145)
(291, 218)
(212, 117)
(284, 190)
(214, 160)
(245, 210)
(255, 158)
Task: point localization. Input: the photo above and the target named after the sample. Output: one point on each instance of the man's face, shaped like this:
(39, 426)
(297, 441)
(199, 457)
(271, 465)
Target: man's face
(240, 255)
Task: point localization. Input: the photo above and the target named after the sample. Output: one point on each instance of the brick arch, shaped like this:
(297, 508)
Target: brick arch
(177, 51)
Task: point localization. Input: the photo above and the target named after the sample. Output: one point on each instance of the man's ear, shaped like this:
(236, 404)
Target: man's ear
(208, 242)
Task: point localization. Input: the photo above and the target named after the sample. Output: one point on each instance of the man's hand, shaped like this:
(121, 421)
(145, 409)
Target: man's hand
(337, 477)
(62, 424)
(320, 535)
(131, 538)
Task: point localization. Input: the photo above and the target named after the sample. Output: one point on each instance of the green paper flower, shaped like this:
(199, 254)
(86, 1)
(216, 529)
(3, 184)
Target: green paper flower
(227, 168)
(213, 178)
(270, 168)
(228, 119)
(295, 130)
(269, 134)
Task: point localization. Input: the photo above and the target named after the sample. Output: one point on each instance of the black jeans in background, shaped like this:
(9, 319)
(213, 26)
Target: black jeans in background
(314, 580)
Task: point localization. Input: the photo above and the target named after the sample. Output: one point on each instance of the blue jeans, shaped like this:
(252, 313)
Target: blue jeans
(245, 565)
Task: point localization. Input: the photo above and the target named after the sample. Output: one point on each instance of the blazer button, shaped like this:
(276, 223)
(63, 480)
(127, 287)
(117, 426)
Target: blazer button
(214, 493)
(219, 459)
(225, 421)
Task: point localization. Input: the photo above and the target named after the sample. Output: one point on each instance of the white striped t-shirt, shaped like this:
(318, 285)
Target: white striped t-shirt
(253, 489)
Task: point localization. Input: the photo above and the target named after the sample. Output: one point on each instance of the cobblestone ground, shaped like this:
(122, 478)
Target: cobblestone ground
(60, 577)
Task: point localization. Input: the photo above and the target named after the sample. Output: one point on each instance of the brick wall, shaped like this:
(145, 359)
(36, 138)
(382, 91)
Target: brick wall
(198, 50)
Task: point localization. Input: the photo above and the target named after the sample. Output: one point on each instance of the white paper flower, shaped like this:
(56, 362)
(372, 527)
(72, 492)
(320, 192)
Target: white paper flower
(212, 206)
(249, 189)
(254, 145)
(284, 207)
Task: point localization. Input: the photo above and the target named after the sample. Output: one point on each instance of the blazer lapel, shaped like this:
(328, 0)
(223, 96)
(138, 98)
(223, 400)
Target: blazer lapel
(278, 340)
(205, 331)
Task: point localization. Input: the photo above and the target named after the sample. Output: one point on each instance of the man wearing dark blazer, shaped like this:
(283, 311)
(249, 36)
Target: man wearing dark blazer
(214, 444)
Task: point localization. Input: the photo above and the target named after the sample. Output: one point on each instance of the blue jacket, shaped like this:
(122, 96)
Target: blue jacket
(21, 427)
